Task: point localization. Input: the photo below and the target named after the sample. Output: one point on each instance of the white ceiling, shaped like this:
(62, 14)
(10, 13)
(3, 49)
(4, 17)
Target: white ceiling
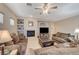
(63, 11)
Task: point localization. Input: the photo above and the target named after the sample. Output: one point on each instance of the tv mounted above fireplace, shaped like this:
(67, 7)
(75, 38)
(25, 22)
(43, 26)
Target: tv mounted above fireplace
(44, 30)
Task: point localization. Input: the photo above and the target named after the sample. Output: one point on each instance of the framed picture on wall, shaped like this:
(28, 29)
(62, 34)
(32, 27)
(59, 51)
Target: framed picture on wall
(30, 23)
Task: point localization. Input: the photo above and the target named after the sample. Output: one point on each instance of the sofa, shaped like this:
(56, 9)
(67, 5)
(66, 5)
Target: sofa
(19, 42)
(60, 37)
(52, 50)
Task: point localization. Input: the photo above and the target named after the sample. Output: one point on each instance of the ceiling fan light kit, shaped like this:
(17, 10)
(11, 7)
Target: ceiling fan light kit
(46, 8)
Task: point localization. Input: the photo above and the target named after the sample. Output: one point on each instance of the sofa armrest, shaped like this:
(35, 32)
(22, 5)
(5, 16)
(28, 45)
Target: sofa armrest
(12, 47)
(22, 48)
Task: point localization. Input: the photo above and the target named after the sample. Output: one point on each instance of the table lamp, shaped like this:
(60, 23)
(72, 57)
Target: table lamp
(4, 37)
(77, 32)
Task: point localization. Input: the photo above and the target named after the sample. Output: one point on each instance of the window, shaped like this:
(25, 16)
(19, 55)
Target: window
(1, 18)
(11, 21)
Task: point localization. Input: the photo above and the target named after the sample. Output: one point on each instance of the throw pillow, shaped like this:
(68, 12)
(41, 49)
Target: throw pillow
(15, 39)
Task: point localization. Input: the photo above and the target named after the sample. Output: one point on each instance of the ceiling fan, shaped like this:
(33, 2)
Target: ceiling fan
(46, 7)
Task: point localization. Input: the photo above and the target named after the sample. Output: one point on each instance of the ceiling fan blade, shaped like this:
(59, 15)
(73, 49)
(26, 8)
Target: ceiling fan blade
(54, 7)
(37, 8)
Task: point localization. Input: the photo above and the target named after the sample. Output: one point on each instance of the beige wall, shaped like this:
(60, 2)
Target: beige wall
(68, 25)
(36, 26)
(7, 14)
(52, 29)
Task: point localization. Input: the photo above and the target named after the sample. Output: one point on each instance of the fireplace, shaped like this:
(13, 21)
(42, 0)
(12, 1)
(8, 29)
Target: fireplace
(30, 33)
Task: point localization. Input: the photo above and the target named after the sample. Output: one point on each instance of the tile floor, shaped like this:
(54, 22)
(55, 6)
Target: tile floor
(33, 43)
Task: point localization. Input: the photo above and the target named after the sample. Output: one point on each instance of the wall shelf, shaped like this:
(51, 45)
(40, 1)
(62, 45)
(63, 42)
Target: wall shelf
(20, 26)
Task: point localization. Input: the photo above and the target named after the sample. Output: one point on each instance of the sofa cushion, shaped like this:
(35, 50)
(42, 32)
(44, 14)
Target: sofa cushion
(58, 34)
(62, 35)
(15, 38)
(58, 39)
(69, 39)
(62, 45)
(57, 51)
(30, 51)
(23, 47)
(9, 43)
(21, 36)
(44, 51)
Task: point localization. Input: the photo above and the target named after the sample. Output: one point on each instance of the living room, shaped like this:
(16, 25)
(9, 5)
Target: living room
(28, 28)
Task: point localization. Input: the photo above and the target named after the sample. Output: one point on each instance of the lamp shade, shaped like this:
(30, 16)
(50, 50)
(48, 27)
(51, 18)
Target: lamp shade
(5, 36)
(77, 30)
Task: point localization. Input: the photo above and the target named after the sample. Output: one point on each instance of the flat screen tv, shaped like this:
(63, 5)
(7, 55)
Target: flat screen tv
(44, 30)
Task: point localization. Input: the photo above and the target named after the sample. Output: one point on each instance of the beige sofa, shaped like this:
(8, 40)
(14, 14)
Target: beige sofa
(54, 51)
(62, 37)
(19, 42)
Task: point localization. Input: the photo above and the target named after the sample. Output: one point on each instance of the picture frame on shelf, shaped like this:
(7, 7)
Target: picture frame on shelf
(20, 27)
(20, 21)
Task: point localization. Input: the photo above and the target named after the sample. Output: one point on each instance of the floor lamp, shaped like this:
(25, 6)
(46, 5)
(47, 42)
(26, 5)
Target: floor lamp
(4, 37)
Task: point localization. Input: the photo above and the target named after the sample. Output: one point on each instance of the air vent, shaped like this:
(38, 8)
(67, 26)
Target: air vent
(28, 4)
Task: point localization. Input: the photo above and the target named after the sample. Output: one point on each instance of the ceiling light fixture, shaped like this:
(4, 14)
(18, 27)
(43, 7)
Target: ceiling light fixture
(45, 8)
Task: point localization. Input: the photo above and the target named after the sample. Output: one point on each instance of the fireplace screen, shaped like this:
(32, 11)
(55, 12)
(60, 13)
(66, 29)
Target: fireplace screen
(30, 33)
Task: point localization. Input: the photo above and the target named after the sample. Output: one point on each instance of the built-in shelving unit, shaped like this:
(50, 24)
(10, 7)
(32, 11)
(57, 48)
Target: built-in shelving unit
(20, 26)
